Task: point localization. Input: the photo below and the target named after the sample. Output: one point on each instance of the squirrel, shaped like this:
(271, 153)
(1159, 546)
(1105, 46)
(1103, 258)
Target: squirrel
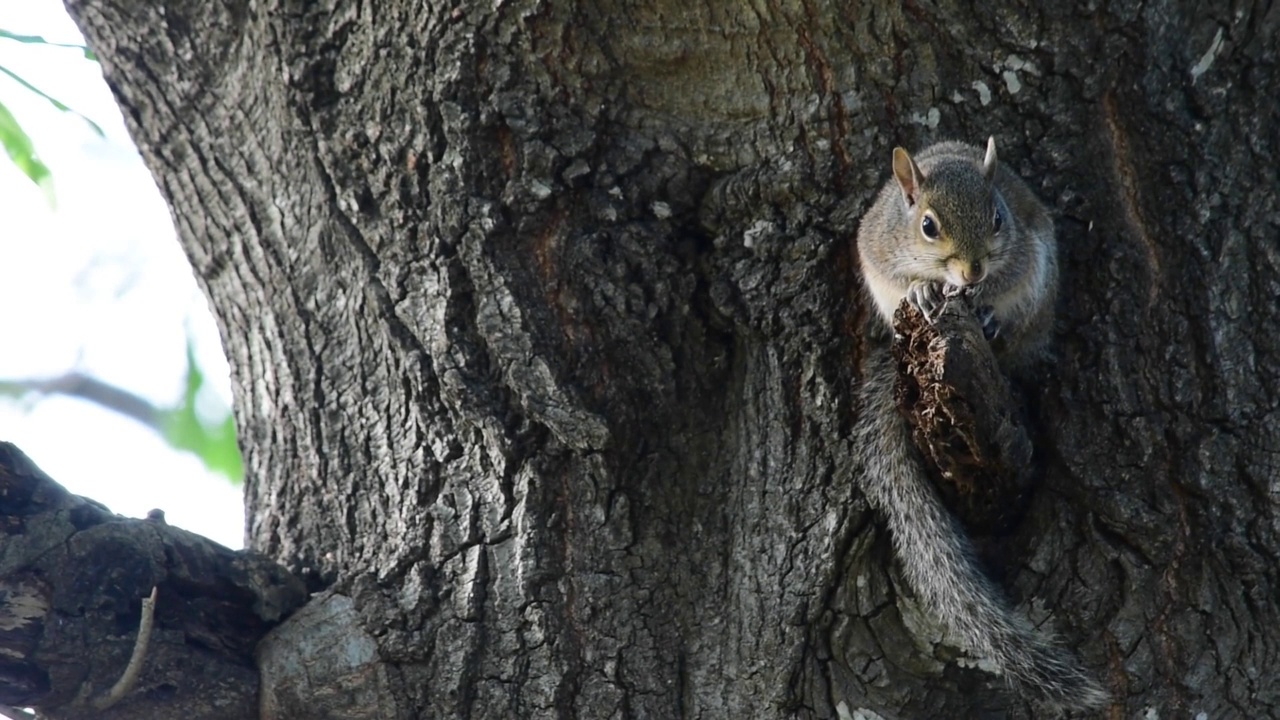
(954, 219)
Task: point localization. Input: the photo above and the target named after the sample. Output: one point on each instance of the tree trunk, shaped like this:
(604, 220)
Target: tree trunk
(545, 327)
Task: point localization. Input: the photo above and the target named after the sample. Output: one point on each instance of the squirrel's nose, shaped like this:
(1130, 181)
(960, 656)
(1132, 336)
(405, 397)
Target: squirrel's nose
(968, 273)
(974, 272)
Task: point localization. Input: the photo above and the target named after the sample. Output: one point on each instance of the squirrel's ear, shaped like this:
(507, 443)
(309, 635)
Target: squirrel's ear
(908, 175)
(989, 162)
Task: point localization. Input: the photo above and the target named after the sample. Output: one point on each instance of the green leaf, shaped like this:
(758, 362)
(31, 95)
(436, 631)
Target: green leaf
(37, 40)
(52, 100)
(214, 443)
(17, 144)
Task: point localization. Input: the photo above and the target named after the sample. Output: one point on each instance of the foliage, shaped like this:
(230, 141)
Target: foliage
(17, 144)
(181, 425)
(214, 442)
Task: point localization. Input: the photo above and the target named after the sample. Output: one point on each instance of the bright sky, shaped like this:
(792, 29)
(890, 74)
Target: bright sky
(98, 285)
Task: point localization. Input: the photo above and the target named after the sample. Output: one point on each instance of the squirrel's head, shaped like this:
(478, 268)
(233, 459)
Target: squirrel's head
(959, 219)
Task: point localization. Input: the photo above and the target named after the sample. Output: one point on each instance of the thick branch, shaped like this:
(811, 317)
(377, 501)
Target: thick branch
(964, 416)
(72, 581)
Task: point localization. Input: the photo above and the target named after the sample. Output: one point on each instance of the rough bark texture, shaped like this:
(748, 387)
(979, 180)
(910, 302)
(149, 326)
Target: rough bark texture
(544, 324)
(72, 579)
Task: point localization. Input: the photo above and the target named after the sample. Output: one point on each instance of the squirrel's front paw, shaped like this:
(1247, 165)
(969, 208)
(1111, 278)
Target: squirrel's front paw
(987, 318)
(928, 298)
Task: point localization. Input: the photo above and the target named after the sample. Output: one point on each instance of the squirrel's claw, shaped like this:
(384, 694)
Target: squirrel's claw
(928, 298)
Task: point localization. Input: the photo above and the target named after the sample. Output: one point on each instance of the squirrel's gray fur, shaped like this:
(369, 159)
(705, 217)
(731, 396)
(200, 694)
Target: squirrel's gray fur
(1013, 262)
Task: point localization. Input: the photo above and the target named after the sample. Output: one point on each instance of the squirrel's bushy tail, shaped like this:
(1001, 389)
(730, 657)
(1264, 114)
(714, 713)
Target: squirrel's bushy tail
(940, 563)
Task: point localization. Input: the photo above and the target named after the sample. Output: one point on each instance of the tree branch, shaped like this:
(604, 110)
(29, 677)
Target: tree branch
(71, 574)
(965, 417)
(79, 385)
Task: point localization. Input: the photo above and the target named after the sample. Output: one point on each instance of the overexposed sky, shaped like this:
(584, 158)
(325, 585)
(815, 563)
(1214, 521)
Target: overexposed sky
(99, 285)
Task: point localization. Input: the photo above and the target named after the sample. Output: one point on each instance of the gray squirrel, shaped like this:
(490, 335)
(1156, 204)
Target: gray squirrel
(955, 216)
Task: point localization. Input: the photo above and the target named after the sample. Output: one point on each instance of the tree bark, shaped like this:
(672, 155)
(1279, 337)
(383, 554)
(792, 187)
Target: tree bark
(544, 325)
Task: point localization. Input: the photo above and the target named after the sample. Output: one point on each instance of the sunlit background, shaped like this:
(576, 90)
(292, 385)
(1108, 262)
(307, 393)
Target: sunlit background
(97, 284)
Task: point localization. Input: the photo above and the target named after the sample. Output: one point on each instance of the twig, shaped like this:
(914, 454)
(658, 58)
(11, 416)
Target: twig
(79, 385)
(130, 676)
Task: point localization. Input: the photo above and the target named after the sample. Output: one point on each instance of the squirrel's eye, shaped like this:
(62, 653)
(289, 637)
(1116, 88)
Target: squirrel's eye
(929, 228)
(998, 221)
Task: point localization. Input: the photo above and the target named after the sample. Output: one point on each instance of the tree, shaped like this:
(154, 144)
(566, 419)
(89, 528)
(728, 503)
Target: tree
(545, 328)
